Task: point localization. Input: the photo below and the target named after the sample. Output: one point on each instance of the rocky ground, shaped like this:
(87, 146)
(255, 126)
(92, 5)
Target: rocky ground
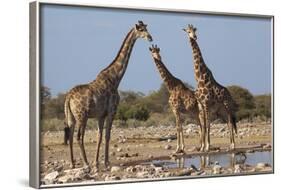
(132, 151)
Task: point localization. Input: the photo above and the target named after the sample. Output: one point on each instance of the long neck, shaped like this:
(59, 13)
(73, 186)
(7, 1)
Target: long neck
(200, 67)
(113, 74)
(167, 77)
(124, 53)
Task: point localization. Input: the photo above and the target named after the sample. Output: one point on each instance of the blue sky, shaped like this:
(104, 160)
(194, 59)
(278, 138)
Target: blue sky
(78, 42)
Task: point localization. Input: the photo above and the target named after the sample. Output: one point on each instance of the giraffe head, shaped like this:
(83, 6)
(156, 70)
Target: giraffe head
(191, 31)
(155, 52)
(141, 31)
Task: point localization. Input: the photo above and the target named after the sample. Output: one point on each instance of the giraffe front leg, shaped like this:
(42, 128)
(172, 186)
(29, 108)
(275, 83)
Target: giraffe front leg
(202, 128)
(179, 129)
(182, 141)
(207, 122)
(99, 139)
(232, 142)
(107, 139)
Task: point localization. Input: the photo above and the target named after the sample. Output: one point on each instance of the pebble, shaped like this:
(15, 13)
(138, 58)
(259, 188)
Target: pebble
(143, 174)
(266, 146)
(51, 178)
(237, 169)
(261, 165)
(192, 149)
(131, 169)
(66, 179)
(168, 147)
(115, 169)
(119, 149)
(217, 169)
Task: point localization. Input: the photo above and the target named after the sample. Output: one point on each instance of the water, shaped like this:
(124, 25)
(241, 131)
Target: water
(223, 159)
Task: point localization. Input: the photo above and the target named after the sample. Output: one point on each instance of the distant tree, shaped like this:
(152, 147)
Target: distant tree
(54, 108)
(45, 94)
(263, 105)
(122, 114)
(245, 101)
(130, 97)
(138, 112)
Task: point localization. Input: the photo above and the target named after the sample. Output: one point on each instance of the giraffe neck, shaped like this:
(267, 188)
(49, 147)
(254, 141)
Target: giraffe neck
(113, 74)
(202, 72)
(168, 78)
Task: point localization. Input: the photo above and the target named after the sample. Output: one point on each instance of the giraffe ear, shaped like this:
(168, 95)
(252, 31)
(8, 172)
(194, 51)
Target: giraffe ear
(194, 29)
(137, 26)
(150, 49)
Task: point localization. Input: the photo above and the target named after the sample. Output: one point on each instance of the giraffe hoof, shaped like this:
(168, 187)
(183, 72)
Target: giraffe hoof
(232, 147)
(107, 165)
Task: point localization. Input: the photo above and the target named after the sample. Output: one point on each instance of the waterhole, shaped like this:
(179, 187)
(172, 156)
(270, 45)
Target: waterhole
(223, 159)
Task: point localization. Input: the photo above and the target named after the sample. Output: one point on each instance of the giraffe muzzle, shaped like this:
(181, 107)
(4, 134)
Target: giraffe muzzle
(149, 37)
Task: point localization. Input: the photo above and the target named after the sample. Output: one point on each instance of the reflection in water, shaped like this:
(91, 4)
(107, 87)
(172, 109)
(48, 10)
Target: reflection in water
(223, 159)
(206, 161)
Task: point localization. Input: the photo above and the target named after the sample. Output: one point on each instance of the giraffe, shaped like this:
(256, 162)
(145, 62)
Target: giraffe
(99, 98)
(181, 99)
(211, 95)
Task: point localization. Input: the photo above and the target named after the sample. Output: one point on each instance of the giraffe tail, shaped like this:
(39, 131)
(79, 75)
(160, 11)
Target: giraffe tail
(68, 121)
(233, 122)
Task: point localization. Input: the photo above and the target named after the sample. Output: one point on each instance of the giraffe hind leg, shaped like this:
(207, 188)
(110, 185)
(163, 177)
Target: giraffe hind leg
(71, 145)
(80, 137)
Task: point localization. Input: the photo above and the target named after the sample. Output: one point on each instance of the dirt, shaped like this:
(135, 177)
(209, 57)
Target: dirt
(131, 147)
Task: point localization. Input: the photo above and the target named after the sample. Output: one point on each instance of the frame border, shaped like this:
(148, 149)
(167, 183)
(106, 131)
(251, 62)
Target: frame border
(35, 83)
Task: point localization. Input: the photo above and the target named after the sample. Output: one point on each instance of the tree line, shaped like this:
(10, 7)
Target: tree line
(140, 107)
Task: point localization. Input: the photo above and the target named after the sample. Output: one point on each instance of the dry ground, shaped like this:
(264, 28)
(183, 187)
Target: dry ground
(132, 146)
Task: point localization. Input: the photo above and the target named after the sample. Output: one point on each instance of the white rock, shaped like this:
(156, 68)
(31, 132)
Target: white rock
(66, 179)
(51, 177)
(119, 149)
(237, 169)
(142, 174)
(217, 169)
(189, 131)
(115, 169)
(168, 147)
(131, 169)
(261, 165)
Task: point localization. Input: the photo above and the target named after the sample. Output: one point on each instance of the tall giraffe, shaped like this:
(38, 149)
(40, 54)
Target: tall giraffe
(210, 94)
(181, 99)
(99, 98)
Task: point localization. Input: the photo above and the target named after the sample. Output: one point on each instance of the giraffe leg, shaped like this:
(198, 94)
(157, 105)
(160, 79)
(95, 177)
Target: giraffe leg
(231, 135)
(107, 139)
(202, 128)
(80, 138)
(179, 130)
(182, 140)
(230, 125)
(71, 145)
(207, 122)
(99, 139)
